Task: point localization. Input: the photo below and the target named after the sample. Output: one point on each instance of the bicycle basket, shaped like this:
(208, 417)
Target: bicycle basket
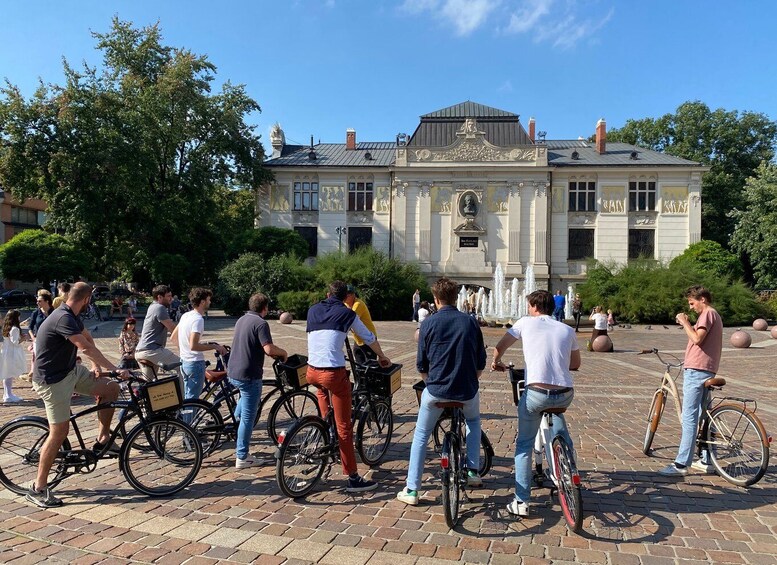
(161, 395)
(517, 382)
(294, 371)
(383, 382)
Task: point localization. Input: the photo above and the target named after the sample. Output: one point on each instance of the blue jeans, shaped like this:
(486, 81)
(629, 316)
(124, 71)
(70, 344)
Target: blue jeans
(530, 409)
(247, 407)
(193, 378)
(558, 313)
(694, 396)
(427, 418)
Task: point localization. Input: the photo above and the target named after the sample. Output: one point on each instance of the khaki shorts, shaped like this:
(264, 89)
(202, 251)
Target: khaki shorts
(56, 397)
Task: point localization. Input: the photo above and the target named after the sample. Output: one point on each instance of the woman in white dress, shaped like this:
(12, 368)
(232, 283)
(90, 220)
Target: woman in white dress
(14, 361)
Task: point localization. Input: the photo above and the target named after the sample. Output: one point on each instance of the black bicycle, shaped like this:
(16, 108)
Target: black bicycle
(453, 461)
(159, 456)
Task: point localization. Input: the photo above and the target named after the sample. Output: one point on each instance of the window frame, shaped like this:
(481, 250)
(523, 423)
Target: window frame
(633, 256)
(585, 195)
(305, 191)
(643, 195)
(361, 196)
(582, 256)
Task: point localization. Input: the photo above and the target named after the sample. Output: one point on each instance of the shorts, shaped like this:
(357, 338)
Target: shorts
(56, 397)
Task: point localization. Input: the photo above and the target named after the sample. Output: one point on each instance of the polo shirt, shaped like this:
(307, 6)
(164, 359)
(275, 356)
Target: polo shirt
(246, 359)
(154, 334)
(55, 353)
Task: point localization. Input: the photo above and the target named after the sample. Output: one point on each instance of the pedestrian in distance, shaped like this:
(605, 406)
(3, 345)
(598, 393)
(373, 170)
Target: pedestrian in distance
(416, 304)
(13, 362)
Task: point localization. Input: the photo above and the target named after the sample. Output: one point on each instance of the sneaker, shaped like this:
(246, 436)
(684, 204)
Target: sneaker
(360, 484)
(113, 450)
(474, 480)
(700, 465)
(11, 399)
(518, 508)
(246, 463)
(408, 496)
(43, 498)
(672, 470)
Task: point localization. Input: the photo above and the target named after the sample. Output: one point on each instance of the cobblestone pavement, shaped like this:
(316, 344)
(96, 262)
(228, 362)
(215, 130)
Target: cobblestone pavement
(632, 514)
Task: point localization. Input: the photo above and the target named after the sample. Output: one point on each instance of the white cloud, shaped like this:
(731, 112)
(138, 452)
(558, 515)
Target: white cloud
(464, 15)
(562, 27)
(507, 86)
(528, 14)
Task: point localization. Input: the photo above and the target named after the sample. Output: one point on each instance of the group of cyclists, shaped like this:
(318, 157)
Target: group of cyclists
(451, 358)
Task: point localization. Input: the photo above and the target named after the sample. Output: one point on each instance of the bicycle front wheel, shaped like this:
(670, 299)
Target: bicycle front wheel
(302, 457)
(20, 445)
(737, 444)
(654, 417)
(450, 479)
(373, 434)
(164, 465)
(289, 408)
(568, 484)
(205, 420)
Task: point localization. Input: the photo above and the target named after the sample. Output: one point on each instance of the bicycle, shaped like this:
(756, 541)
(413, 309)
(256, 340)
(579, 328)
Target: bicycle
(91, 312)
(160, 455)
(729, 431)
(560, 467)
(311, 446)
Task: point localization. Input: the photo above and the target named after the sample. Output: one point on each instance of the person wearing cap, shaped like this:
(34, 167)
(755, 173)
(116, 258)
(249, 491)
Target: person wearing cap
(362, 351)
(328, 325)
(551, 352)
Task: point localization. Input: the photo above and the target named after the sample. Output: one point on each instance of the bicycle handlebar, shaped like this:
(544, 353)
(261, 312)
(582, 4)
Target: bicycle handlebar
(655, 352)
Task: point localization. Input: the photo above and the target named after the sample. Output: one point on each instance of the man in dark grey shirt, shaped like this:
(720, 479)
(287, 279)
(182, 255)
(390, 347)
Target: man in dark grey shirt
(156, 325)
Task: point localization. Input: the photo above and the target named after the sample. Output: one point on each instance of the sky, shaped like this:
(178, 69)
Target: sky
(318, 67)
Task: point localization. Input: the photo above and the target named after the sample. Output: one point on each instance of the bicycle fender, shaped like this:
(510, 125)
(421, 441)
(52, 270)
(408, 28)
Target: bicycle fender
(40, 419)
(488, 447)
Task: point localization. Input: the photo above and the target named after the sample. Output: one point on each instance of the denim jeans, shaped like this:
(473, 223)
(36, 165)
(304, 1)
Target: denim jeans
(530, 409)
(247, 407)
(193, 378)
(427, 418)
(694, 396)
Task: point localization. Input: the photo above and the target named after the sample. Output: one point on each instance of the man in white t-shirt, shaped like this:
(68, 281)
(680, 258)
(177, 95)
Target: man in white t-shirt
(550, 352)
(189, 333)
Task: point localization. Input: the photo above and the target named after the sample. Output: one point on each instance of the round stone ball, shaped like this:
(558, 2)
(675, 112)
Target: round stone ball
(741, 339)
(774, 332)
(602, 344)
(286, 318)
(760, 325)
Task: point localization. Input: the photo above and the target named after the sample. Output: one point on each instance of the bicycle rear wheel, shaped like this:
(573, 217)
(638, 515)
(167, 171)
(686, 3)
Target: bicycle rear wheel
(302, 457)
(737, 444)
(373, 434)
(205, 420)
(164, 465)
(654, 417)
(289, 408)
(20, 444)
(450, 479)
(568, 484)
(443, 425)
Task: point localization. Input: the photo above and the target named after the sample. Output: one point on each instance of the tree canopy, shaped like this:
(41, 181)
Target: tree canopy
(34, 255)
(756, 225)
(138, 157)
(732, 143)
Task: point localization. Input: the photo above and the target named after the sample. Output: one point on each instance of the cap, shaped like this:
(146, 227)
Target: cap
(350, 289)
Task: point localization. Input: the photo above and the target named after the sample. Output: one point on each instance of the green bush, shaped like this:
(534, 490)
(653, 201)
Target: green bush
(269, 241)
(649, 292)
(710, 257)
(298, 302)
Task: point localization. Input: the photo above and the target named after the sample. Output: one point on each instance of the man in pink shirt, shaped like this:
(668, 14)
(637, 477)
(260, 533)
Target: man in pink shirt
(702, 358)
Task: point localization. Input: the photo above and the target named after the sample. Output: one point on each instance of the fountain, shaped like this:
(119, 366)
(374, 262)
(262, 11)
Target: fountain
(570, 298)
(505, 304)
(499, 291)
(461, 302)
(514, 305)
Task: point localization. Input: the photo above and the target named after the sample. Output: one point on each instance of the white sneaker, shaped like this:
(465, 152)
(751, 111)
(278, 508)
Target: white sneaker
(672, 471)
(408, 496)
(699, 465)
(11, 399)
(246, 463)
(518, 508)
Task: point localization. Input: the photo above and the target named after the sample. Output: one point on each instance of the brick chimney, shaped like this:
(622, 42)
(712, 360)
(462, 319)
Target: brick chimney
(350, 139)
(601, 137)
(531, 129)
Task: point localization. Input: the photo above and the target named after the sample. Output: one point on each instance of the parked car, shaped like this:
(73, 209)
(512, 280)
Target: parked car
(15, 298)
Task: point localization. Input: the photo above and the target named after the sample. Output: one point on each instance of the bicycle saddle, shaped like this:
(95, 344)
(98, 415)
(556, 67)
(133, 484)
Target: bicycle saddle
(449, 404)
(715, 381)
(559, 410)
(215, 376)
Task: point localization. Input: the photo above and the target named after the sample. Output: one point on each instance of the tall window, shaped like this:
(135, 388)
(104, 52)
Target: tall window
(360, 196)
(24, 216)
(309, 234)
(581, 244)
(306, 196)
(642, 244)
(642, 196)
(582, 196)
(359, 237)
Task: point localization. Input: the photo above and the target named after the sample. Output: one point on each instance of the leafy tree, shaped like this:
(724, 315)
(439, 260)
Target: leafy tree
(136, 157)
(34, 255)
(733, 144)
(269, 241)
(709, 256)
(756, 225)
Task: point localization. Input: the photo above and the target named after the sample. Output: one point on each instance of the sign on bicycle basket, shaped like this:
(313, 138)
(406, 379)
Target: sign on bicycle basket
(384, 382)
(162, 394)
(294, 371)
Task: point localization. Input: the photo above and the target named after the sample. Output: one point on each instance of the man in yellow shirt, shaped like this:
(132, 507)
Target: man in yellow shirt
(361, 352)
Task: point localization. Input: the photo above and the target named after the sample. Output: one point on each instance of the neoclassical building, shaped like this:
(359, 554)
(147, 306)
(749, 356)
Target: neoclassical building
(471, 187)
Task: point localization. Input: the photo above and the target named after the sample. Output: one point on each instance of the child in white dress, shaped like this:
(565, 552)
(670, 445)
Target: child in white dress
(14, 360)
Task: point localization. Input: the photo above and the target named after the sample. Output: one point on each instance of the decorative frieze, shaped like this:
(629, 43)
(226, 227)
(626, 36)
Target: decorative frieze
(582, 219)
(279, 198)
(674, 200)
(332, 199)
(382, 200)
(613, 199)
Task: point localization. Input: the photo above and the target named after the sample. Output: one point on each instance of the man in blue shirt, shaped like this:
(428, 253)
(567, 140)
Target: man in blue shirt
(451, 356)
(560, 303)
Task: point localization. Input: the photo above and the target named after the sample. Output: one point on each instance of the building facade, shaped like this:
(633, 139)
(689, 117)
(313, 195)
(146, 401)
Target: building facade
(472, 188)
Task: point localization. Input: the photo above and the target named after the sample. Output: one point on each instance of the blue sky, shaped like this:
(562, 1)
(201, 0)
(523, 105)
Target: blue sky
(319, 67)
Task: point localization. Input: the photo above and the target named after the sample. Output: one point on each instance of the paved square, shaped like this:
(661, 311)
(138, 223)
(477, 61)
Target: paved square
(632, 515)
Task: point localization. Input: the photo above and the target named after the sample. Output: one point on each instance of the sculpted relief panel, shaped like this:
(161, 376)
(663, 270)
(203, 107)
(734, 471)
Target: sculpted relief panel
(382, 200)
(441, 199)
(498, 197)
(558, 198)
(674, 200)
(279, 198)
(613, 199)
(332, 199)
(471, 145)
